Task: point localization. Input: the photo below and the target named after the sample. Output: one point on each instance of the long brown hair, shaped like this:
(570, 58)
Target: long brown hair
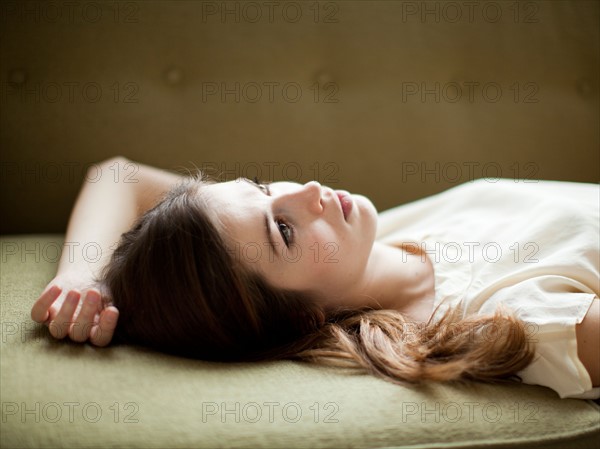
(179, 290)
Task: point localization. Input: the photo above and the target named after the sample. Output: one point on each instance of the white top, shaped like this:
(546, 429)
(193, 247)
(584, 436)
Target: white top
(533, 246)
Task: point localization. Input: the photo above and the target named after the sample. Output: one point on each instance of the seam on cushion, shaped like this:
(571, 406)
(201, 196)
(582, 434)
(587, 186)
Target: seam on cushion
(555, 438)
(495, 443)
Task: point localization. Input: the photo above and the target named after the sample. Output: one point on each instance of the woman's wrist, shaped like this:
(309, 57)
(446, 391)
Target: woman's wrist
(76, 277)
(89, 261)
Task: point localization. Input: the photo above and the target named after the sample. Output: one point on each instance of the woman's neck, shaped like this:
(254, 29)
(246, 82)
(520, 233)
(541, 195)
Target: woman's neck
(399, 279)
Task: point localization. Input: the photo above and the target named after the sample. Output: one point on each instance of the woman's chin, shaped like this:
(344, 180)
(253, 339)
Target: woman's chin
(365, 204)
(367, 216)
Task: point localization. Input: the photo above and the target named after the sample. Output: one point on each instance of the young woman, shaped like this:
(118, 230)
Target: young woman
(485, 281)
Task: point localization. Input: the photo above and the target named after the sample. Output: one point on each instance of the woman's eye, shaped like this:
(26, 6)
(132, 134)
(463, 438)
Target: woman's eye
(285, 231)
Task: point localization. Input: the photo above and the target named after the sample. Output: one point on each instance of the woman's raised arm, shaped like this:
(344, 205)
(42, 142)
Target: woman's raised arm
(114, 194)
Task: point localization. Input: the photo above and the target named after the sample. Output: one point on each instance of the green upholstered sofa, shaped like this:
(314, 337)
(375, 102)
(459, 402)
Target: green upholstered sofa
(392, 99)
(64, 394)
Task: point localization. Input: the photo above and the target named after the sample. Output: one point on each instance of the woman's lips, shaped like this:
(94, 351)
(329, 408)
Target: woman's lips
(346, 202)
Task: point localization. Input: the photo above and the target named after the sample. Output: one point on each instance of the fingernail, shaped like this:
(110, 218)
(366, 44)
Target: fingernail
(55, 290)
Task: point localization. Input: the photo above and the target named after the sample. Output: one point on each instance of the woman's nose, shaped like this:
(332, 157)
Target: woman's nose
(306, 197)
(312, 192)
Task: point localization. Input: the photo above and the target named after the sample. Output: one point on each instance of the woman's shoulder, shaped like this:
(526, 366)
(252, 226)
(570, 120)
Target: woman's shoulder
(495, 203)
(493, 192)
(533, 186)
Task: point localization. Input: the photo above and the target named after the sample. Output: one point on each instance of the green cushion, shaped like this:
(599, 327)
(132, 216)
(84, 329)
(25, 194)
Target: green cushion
(59, 393)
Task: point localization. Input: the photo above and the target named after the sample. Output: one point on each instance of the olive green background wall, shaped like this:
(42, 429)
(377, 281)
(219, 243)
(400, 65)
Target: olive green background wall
(395, 100)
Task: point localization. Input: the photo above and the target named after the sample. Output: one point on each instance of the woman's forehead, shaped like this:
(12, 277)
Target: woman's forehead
(232, 207)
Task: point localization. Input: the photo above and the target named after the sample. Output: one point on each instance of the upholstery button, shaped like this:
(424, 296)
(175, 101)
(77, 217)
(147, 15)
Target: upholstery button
(584, 87)
(323, 78)
(16, 76)
(174, 75)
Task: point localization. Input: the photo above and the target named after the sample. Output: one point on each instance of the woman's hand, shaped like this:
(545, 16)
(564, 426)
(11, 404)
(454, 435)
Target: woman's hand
(68, 306)
(105, 208)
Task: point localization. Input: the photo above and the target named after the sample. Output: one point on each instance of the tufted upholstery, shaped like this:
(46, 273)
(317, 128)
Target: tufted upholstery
(395, 100)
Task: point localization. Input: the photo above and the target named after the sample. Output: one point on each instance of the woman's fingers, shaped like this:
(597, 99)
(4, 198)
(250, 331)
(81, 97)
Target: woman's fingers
(82, 326)
(91, 322)
(102, 333)
(60, 325)
(40, 310)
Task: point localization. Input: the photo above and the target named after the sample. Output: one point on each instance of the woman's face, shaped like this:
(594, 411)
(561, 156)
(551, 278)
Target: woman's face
(295, 235)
